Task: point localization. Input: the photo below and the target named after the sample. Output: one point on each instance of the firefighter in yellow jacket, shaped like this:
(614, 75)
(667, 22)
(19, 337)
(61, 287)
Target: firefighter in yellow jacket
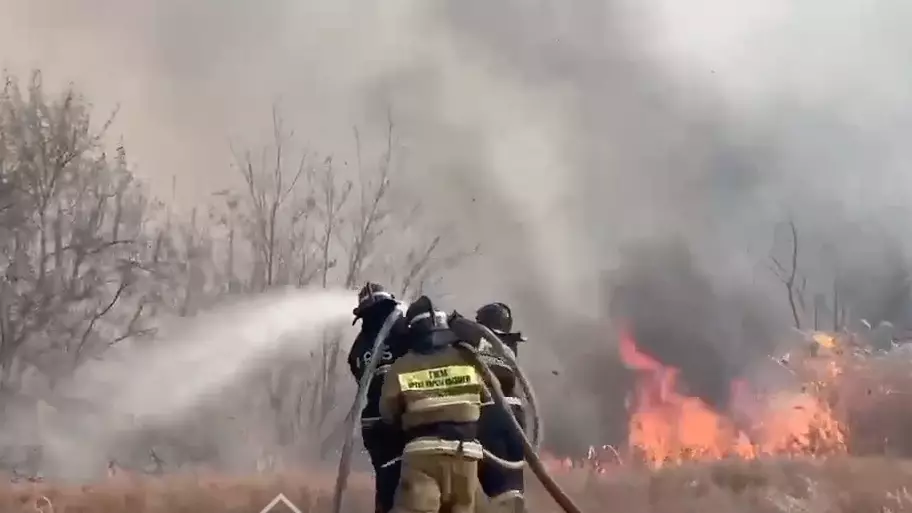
(433, 393)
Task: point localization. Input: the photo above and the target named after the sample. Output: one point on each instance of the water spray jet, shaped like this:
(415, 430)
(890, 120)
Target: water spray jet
(163, 380)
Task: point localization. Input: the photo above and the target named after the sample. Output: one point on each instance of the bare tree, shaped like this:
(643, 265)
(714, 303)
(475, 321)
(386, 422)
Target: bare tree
(838, 307)
(795, 284)
(372, 210)
(88, 259)
(337, 222)
(270, 183)
(75, 278)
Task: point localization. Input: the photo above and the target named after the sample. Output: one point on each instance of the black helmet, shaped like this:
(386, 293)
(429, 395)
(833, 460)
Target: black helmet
(423, 317)
(370, 294)
(497, 317)
(428, 329)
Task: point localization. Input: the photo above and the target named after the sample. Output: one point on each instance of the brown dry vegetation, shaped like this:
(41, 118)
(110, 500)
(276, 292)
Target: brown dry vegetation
(180, 494)
(851, 485)
(879, 424)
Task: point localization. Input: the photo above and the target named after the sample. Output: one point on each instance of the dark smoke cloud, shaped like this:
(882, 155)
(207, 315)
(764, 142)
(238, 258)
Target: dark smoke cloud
(677, 315)
(702, 156)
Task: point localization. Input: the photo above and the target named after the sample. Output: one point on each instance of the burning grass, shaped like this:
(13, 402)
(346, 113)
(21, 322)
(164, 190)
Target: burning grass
(836, 485)
(777, 485)
(668, 426)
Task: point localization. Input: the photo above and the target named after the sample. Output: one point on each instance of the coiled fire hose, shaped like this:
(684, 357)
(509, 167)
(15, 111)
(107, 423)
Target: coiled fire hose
(469, 330)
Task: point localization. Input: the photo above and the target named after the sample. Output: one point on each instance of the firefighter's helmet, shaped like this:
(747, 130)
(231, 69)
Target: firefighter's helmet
(422, 316)
(497, 317)
(369, 295)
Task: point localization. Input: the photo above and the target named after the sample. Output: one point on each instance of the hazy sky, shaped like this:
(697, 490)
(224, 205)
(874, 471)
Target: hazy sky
(655, 104)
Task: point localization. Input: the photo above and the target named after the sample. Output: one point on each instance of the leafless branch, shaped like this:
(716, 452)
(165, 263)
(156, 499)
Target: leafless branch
(794, 289)
(371, 212)
(97, 316)
(84, 252)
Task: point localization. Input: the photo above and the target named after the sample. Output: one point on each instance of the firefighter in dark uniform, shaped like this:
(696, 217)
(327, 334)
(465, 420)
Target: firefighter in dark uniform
(383, 442)
(434, 394)
(504, 487)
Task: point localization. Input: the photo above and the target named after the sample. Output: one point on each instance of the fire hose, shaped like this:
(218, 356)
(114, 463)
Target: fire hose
(353, 419)
(530, 447)
(467, 330)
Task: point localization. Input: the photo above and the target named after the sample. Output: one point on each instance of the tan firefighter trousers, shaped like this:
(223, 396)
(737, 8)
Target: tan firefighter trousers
(432, 483)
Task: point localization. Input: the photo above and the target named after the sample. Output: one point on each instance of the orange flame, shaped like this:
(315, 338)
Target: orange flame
(666, 426)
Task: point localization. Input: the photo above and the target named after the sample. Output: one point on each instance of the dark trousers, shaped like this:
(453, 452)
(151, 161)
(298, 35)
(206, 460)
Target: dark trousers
(496, 435)
(384, 445)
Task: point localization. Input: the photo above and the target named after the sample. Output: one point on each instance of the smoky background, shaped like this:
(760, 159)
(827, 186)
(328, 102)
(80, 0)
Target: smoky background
(613, 159)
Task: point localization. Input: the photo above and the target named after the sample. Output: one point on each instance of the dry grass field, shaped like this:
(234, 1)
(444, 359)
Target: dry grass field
(839, 485)
(870, 473)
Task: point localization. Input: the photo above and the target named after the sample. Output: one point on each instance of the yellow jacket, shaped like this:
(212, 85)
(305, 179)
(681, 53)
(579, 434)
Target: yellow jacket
(425, 389)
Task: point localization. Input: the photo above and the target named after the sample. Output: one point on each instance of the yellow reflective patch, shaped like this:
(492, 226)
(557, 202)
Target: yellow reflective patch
(439, 378)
